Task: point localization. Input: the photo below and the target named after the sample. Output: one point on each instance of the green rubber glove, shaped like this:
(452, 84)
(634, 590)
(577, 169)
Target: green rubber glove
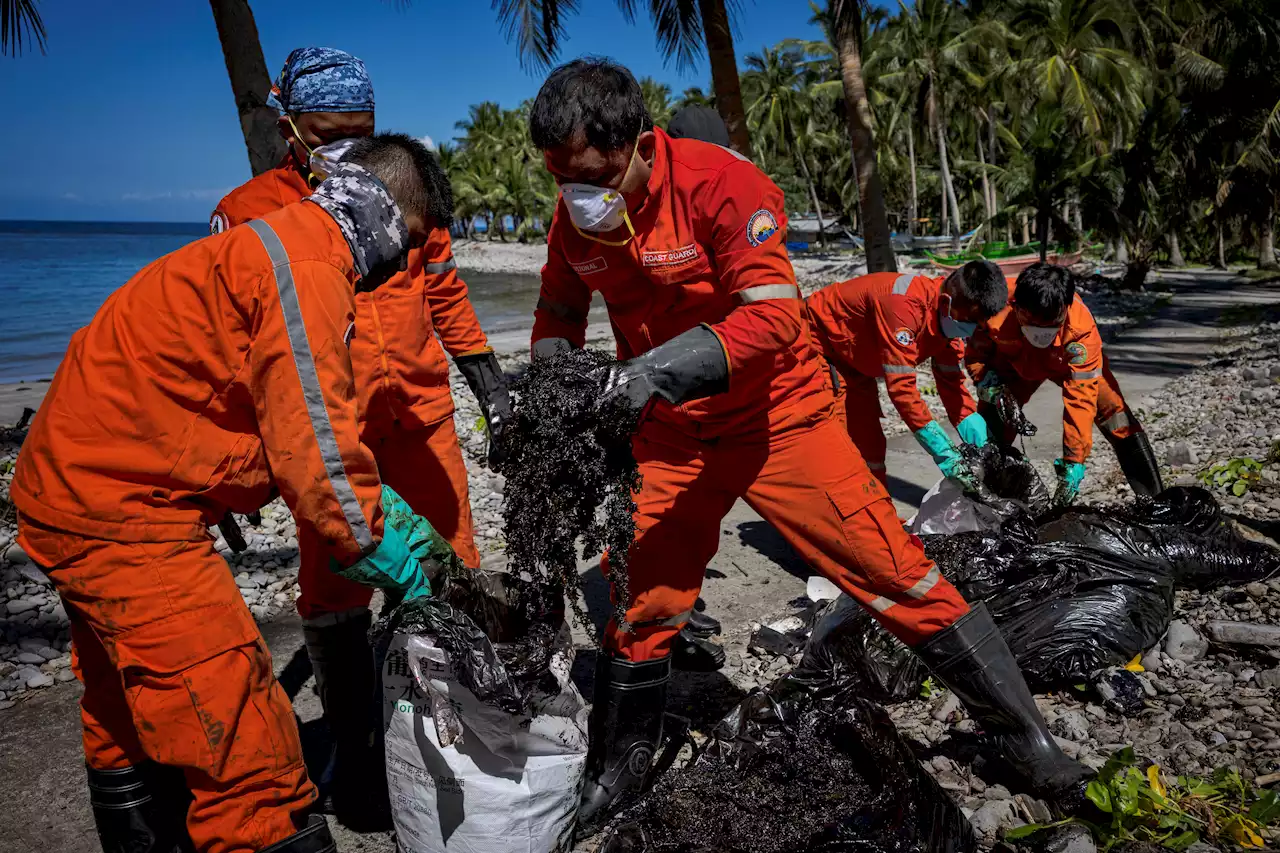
(1070, 476)
(409, 545)
(425, 543)
(934, 440)
(973, 430)
(390, 566)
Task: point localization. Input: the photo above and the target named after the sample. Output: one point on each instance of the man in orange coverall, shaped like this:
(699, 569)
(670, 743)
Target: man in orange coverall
(217, 374)
(883, 325)
(405, 408)
(685, 242)
(1047, 333)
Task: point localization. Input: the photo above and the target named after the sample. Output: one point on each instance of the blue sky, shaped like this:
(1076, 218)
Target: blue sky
(130, 116)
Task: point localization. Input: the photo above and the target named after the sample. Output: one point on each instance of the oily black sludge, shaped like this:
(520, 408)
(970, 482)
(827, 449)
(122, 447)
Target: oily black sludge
(807, 763)
(570, 475)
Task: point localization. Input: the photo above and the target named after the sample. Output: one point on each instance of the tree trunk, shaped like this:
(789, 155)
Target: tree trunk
(250, 82)
(1077, 219)
(1026, 231)
(1175, 251)
(945, 221)
(1122, 251)
(948, 186)
(1042, 230)
(991, 158)
(914, 211)
(875, 219)
(724, 73)
(1267, 245)
(987, 204)
(813, 194)
(1222, 246)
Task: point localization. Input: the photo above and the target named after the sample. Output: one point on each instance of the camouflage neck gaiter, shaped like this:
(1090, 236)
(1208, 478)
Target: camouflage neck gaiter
(368, 216)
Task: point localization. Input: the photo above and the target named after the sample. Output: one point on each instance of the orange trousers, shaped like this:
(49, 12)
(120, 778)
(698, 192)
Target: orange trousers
(1113, 417)
(426, 468)
(813, 487)
(859, 402)
(175, 671)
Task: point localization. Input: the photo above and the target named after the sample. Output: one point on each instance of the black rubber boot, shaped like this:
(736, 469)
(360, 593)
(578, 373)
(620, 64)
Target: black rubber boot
(702, 625)
(140, 809)
(314, 839)
(691, 653)
(972, 659)
(345, 679)
(1138, 462)
(626, 728)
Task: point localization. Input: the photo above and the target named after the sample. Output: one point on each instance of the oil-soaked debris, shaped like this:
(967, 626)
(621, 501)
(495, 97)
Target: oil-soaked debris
(570, 476)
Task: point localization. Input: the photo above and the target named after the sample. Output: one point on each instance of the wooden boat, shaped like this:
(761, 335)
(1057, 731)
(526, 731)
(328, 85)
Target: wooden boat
(1009, 265)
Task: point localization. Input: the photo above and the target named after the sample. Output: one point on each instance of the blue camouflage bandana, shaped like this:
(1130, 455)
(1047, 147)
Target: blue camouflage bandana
(322, 80)
(369, 218)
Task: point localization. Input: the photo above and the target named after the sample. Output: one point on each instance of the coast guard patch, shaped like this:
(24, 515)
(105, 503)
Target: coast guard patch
(1076, 353)
(903, 337)
(217, 222)
(761, 226)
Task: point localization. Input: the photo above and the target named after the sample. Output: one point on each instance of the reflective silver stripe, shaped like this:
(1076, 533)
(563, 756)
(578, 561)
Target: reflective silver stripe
(902, 282)
(1086, 374)
(1119, 420)
(921, 587)
(767, 291)
(306, 367)
(947, 368)
(897, 368)
(880, 604)
(443, 266)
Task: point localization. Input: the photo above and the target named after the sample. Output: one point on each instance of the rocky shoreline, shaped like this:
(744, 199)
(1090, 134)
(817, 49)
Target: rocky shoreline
(1206, 704)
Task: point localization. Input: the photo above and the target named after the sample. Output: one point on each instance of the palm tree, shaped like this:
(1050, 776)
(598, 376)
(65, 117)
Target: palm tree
(694, 97)
(933, 43)
(657, 98)
(684, 29)
(844, 25)
(250, 82)
(18, 20)
(778, 109)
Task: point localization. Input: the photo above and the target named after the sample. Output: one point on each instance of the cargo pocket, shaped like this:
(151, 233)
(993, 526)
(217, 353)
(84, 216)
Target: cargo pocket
(875, 547)
(189, 679)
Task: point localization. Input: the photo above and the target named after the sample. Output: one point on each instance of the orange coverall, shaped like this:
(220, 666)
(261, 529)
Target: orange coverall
(1075, 362)
(709, 249)
(884, 325)
(218, 372)
(402, 383)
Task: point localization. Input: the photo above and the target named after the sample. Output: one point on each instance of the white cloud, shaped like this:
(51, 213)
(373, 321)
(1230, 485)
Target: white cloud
(428, 141)
(184, 195)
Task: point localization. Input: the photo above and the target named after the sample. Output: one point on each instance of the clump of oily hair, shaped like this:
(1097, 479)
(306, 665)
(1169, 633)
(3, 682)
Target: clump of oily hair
(983, 284)
(1045, 290)
(409, 171)
(594, 97)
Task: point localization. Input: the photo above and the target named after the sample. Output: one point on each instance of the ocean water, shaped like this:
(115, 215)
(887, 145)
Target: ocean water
(55, 275)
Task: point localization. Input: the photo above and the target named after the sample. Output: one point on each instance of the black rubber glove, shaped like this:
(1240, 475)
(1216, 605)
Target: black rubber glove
(687, 367)
(487, 382)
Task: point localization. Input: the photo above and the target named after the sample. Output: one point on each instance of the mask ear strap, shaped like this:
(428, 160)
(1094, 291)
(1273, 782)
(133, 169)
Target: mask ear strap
(625, 218)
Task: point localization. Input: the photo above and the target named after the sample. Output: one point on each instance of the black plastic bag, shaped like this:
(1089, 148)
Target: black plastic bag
(805, 764)
(498, 630)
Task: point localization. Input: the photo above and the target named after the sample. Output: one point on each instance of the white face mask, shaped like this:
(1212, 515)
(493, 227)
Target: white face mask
(595, 209)
(323, 158)
(1040, 337)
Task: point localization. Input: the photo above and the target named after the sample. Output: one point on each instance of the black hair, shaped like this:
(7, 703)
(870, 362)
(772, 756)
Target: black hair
(1045, 290)
(983, 284)
(409, 171)
(597, 98)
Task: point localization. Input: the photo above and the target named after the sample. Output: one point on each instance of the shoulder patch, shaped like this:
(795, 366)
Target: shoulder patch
(218, 222)
(1077, 353)
(761, 226)
(904, 337)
